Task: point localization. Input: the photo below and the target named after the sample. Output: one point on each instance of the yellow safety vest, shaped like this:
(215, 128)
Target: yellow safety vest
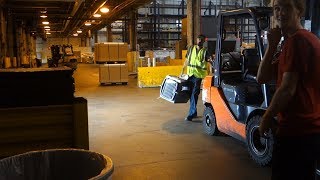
(197, 65)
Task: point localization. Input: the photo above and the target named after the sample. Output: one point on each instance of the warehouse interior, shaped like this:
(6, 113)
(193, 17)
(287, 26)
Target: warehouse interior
(86, 74)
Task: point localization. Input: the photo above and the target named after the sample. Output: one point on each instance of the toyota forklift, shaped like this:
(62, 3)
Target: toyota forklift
(234, 101)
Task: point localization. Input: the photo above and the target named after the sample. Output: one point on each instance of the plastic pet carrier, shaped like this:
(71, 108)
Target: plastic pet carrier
(175, 89)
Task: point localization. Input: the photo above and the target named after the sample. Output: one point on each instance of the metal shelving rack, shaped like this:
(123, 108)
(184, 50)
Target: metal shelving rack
(157, 28)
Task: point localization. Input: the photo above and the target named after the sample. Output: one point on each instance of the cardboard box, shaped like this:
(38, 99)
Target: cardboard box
(113, 52)
(124, 73)
(101, 52)
(113, 73)
(95, 52)
(123, 51)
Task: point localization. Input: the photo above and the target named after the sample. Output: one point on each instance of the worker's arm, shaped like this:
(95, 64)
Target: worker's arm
(267, 69)
(280, 100)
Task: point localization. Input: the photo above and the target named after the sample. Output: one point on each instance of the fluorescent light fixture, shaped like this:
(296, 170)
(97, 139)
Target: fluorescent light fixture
(47, 27)
(45, 22)
(75, 34)
(43, 16)
(97, 15)
(87, 23)
(79, 31)
(48, 32)
(104, 10)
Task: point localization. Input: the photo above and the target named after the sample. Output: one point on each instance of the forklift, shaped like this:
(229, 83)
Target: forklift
(234, 101)
(62, 56)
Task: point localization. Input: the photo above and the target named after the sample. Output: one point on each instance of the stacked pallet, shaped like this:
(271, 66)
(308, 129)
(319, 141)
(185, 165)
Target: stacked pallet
(110, 52)
(36, 87)
(38, 111)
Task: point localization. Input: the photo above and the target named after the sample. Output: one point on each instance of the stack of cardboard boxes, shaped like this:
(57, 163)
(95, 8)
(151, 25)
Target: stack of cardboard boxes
(110, 52)
(114, 57)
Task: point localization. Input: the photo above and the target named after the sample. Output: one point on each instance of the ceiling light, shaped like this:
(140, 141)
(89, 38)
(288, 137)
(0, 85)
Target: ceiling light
(97, 15)
(47, 27)
(75, 34)
(45, 22)
(48, 32)
(87, 23)
(79, 31)
(43, 16)
(104, 10)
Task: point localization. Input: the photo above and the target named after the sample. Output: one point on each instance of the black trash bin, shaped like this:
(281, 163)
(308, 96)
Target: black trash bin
(318, 171)
(62, 164)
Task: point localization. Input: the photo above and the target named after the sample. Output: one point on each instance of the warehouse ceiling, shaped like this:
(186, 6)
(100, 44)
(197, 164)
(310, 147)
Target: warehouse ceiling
(67, 16)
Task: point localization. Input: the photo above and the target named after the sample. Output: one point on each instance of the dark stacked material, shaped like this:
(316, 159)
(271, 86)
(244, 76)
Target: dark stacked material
(36, 87)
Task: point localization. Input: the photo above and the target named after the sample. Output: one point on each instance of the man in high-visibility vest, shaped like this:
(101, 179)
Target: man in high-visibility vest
(196, 62)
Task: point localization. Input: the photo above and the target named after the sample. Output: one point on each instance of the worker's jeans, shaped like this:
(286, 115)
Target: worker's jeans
(195, 84)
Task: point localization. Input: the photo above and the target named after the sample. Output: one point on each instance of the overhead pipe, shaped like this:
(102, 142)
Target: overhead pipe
(75, 9)
(45, 0)
(118, 11)
(81, 20)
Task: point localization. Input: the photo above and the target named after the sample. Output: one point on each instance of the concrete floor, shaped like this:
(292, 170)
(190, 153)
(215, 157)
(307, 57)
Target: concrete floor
(147, 138)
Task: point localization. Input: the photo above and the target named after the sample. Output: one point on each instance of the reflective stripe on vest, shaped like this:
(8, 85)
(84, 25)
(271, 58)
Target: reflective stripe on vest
(197, 65)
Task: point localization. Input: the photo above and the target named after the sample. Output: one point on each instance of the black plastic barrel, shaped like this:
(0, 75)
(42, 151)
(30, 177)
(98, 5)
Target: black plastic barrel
(62, 164)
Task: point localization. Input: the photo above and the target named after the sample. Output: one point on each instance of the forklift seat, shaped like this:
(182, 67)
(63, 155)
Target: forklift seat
(250, 64)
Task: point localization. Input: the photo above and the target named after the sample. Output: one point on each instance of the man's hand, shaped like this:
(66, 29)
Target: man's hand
(274, 37)
(265, 125)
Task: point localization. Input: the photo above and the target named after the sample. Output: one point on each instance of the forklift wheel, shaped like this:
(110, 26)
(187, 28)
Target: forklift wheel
(209, 122)
(260, 148)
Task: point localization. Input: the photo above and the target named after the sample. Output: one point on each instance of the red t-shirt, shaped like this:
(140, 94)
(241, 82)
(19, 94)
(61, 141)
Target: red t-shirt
(301, 54)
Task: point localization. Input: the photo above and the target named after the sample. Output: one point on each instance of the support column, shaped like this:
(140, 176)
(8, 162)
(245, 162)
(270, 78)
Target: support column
(10, 36)
(3, 33)
(197, 19)
(88, 39)
(193, 20)
(83, 42)
(96, 37)
(109, 33)
(23, 46)
(133, 30)
(18, 44)
(33, 46)
(29, 47)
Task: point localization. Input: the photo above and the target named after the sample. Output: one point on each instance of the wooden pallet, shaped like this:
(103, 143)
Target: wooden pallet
(25, 129)
(113, 83)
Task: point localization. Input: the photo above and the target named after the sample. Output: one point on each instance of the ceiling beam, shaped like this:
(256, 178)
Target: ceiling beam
(119, 11)
(31, 1)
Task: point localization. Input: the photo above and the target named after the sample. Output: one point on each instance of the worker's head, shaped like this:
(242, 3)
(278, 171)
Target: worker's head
(200, 40)
(288, 13)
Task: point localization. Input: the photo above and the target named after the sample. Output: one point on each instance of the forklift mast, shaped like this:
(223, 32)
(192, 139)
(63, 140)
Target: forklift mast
(260, 17)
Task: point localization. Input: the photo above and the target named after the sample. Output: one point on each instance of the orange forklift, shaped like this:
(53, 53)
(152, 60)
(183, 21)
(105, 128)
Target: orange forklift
(234, 101)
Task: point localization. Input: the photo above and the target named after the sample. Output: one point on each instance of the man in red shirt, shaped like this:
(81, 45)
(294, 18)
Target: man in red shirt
(297, 98)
